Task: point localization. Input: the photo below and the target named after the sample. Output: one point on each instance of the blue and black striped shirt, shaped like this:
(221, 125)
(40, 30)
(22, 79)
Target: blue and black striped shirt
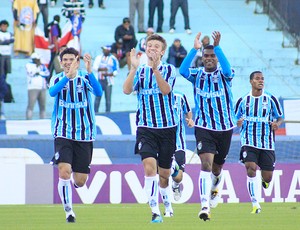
(214, 108)
(258, 113)
(155, 110)
(73, 115)
(182, 107)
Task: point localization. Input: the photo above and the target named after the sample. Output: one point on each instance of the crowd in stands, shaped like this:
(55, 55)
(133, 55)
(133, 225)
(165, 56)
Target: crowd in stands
(19, 43)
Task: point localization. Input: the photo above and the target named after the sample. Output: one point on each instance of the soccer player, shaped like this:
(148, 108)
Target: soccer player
(184, 113)
(259, 114)
(73, 124)
(214, 116)
(156, 119)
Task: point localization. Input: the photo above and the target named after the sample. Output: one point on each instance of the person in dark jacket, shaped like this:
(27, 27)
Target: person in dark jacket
(176, 53)
(125, 31)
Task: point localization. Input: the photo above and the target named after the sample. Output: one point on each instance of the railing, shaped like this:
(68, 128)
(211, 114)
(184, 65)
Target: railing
(283, 15)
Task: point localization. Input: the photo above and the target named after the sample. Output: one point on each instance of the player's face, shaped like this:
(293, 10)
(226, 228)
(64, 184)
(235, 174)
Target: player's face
(210, 60)
(154, 47)
(66, 61)
(257, 81)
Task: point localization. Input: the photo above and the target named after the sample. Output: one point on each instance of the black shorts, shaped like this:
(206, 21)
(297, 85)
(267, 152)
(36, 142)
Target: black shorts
(77, 153)
(264, 158)
(157, 143)
(180, 159)
(216, 142)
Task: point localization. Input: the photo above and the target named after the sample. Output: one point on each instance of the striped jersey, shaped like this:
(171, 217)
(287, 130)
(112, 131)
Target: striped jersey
(182, 107)
(214, 108)
(73, 115)
(155, 110)
(70, 6)
(258, 113)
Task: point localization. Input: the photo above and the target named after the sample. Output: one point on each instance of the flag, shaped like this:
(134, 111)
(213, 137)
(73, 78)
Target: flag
(41, 43)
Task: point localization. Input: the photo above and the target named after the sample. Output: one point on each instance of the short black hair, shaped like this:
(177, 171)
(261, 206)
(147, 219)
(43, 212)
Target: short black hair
(126, 20)
(56, 18)
(253, 73)
(4, 22)
(69, 50)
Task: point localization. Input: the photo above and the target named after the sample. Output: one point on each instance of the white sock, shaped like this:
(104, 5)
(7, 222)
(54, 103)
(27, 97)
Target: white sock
(175, 184)
(216, 180)
(252, 187)
(166, 198)
(151, 188)
(204, 188)
(65, 193)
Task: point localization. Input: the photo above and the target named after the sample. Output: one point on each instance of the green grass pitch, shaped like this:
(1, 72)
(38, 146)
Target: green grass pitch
(283, 216)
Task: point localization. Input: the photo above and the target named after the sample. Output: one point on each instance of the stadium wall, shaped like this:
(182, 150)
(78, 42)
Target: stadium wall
(26, 148)
(37, 184)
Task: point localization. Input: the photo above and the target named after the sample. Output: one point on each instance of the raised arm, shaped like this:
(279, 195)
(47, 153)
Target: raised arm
(185, 65)
(135, 61)
(220, 55)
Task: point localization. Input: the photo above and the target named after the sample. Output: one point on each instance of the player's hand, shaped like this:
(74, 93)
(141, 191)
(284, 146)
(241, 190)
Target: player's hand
(240, 122)
(135, 59)
(216, 35)
(274, 125)
(88, 62)
(155, 57)
(197, 42)
(73, 68)
(190, 122)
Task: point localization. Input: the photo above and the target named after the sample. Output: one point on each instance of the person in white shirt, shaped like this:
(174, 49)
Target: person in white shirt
(107, 67)
(37, 74)
(6, 39)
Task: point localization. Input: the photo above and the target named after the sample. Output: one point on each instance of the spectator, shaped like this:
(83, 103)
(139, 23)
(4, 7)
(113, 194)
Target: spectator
(57, 62)
(159, 4)
(175, 5)
(25, 13)
(71, 7)
(197, 61)
(43, 6)
(142, 42)
(126, 32)
(100, 4)
(107, 67)
(54, 35)
(117, 49)
(137, 6)
(36, 85)
(176, 53)
(142, 46)
(74, 10)
(6, 39)
(3, 91)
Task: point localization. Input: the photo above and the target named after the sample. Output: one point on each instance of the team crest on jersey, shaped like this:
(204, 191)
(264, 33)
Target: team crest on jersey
(66, 87)
(264, 105)
(199, 146)
(244, 154)
(215, 78)
(79, 88)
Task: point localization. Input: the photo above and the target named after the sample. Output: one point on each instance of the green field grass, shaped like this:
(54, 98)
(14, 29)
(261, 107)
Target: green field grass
(283, 216)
